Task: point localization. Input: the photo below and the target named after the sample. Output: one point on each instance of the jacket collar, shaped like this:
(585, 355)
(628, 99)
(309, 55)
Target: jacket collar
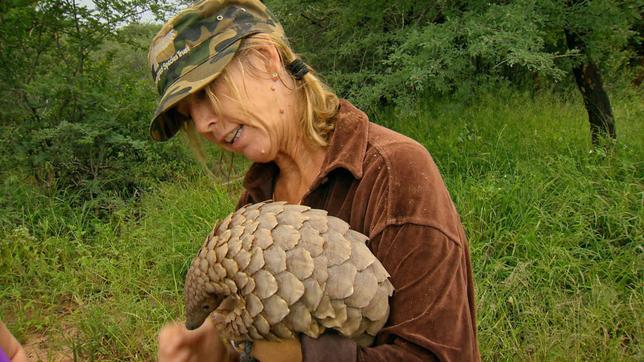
(347, 148)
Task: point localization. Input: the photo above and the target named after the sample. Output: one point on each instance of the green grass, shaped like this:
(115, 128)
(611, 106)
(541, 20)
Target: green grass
(556, 231)
(103, 294)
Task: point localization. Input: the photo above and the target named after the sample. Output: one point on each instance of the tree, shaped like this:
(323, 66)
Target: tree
(377, 51)
(590, 84)
(76, 97)
(578, 32)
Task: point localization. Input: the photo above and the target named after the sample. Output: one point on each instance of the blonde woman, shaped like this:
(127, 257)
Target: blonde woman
(226, 73)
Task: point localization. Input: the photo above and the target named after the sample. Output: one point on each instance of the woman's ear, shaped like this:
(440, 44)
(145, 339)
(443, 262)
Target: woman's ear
(268, 55)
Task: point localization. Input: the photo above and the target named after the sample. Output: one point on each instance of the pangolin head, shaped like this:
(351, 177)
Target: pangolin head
(204, 288)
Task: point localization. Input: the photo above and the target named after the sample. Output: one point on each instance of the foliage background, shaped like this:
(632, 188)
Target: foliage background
(380, 52)
(98, 223)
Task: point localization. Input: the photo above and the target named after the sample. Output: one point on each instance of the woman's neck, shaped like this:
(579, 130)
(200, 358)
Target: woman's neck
(298, 170)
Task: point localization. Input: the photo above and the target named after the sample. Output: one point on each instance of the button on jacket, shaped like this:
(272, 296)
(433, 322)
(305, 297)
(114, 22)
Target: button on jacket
(386, 186)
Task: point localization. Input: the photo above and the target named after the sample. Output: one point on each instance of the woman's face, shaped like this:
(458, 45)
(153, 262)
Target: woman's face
(252, 123)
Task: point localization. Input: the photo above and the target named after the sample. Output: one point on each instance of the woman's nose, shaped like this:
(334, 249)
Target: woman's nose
(203, 116)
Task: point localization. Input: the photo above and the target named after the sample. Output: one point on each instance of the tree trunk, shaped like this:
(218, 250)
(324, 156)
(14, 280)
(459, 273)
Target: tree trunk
(589, 82)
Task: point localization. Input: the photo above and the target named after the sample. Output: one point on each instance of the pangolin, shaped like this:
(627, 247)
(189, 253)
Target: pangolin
(272, 270)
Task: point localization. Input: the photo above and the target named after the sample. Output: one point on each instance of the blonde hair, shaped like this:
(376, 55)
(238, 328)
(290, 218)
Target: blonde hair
(319, 103)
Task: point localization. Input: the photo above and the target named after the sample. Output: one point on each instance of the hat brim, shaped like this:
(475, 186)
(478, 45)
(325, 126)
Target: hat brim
(165, 123)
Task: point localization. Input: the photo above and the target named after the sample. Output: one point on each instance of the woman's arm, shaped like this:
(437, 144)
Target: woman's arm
(432, 311)
(11, 346)
(430, 315)
(402, 204)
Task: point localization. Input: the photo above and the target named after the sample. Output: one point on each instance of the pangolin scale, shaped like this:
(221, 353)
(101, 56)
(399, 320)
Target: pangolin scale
(272, 270)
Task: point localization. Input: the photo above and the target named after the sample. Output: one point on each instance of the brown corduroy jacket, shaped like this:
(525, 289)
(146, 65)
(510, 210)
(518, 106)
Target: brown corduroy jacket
(387, 186)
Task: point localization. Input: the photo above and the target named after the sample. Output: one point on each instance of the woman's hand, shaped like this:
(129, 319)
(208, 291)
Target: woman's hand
(177, 344)
(284, 351)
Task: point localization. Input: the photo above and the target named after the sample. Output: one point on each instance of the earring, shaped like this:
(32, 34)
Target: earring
(274, 76)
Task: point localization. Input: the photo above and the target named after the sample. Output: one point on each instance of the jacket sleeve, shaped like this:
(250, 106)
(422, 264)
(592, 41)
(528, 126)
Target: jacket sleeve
(430, 315)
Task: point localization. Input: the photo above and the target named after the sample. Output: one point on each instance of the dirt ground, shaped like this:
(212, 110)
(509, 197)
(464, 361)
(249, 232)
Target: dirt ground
(40, 347)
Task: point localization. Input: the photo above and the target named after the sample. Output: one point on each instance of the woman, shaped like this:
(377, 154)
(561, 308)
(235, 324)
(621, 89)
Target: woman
(225, 71)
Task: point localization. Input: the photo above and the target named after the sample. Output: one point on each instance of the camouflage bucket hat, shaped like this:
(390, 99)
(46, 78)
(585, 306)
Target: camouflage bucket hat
(193, 48)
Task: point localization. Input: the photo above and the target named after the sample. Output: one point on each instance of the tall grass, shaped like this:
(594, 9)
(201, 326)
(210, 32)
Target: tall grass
(101, 290)
(555, 228)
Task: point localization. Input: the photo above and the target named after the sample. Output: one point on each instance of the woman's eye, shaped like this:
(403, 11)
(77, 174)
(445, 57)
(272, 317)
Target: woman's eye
(182, 112)
(182, 109)
(200, 94)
